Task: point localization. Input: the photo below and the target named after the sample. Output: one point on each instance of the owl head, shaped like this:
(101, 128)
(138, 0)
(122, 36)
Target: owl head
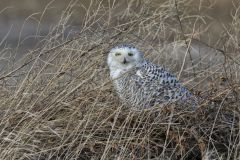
(124, 57)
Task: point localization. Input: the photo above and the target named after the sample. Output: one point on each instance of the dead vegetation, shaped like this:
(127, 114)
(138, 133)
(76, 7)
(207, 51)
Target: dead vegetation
(57, 102)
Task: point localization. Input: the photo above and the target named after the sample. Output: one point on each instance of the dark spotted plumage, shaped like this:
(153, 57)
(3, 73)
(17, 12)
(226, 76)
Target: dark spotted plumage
(146, 85)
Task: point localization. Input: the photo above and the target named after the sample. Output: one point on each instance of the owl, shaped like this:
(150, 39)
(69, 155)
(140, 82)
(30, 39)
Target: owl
(142, 84)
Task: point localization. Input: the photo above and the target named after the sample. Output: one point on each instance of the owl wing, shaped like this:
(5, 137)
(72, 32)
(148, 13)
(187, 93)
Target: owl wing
(162, 85)
(151, 73)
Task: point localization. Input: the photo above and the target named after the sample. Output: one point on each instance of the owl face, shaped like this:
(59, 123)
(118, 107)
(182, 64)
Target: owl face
(124, 57)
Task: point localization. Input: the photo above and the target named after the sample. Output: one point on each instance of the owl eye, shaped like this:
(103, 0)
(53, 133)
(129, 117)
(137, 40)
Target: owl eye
(117, 54)
(130, 54)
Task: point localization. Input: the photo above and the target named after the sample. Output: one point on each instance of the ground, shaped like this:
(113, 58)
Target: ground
(58, 102)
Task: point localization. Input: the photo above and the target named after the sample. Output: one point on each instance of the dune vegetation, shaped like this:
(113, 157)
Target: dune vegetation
(58, 102)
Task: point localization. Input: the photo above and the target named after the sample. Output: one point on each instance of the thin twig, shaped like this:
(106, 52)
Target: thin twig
(185, 38)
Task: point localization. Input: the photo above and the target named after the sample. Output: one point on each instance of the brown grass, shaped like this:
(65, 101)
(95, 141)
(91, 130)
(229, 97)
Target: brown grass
(58, 102)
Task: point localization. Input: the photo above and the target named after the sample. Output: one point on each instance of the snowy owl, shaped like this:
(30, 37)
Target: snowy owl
(142, 84)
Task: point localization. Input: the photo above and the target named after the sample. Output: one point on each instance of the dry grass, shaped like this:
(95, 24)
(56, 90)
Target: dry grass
(57, 102)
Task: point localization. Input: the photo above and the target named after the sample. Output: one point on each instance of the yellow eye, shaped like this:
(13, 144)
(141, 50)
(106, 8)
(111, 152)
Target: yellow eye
(130, 54)
(117, 54)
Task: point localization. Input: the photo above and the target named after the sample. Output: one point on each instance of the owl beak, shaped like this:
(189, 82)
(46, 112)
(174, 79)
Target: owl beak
(124, 61)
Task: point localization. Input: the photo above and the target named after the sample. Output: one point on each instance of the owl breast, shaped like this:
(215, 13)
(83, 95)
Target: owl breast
(136, 92)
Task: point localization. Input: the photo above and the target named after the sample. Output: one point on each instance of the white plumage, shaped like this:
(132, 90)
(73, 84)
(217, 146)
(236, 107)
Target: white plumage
(142, 84)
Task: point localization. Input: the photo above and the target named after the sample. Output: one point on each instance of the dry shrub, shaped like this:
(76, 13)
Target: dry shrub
(58, 102)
